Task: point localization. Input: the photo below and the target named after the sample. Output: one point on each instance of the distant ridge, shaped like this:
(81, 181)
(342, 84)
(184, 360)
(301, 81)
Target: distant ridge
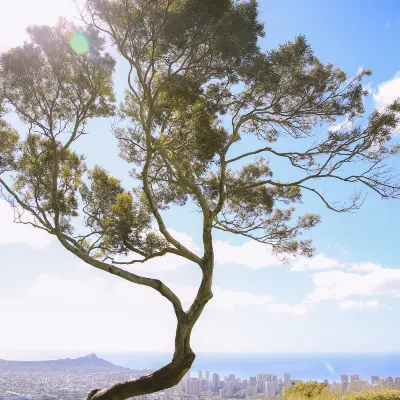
(90, 363)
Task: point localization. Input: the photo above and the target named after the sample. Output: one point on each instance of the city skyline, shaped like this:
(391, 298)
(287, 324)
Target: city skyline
(53, 384)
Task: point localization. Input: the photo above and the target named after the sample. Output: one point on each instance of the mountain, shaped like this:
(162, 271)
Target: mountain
(90, 363)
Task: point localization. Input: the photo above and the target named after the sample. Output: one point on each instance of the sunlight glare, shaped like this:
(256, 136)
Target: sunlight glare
(329, 367)
(79, 43)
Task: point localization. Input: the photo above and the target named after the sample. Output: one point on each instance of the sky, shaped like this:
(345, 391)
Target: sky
(344, 299)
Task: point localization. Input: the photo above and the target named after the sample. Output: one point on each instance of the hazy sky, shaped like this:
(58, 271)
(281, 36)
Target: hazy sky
(344, 299)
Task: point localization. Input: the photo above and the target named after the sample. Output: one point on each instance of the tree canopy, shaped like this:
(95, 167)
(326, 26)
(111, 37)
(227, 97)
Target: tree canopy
(198, 86)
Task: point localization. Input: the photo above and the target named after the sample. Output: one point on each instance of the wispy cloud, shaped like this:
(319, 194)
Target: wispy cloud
(371, 305)
(391, 24)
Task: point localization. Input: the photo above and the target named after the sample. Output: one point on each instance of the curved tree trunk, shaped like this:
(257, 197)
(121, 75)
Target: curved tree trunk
(166, 377)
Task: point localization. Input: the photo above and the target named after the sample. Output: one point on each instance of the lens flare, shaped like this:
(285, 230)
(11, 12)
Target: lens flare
(329, 367)
(79, 43)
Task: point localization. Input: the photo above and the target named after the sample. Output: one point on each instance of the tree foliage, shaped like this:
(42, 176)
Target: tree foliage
(306, 390)
(200, 90)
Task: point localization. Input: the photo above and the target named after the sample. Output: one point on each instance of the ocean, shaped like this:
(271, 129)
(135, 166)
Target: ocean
(311, 366)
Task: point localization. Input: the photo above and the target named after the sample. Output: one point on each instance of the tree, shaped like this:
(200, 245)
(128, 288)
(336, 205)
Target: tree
(198, 85)
(307, 390)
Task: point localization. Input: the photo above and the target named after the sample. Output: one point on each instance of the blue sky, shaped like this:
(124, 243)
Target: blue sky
(344, 299)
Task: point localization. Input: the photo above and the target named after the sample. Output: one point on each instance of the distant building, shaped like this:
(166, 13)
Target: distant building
(252, 390)
(230, 389)
(215, 381)
(344, 378)
(286, 379)
(354, 378)
(375, 379)
(269, 390)
(194, 386)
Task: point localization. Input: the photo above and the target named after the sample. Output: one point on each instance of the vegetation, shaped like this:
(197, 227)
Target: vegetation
(307, 390)
(205, 110)
(320, 391)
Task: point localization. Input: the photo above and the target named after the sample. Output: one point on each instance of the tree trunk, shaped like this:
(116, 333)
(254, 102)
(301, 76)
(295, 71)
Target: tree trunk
(166, 377)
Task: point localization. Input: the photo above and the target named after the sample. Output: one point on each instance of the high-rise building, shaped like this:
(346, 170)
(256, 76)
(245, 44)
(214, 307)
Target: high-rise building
(143, 397)
(167, 393)
(354, 377)
(375, 379)
(208, 375)
(252, 381)
(397, 382)
(286, 379)
(215, 381)
(269, 390)
(252, 390)
(326, 382)
(230, 389)
(200, 375)
(344, 378)
(222, 393)
(187, 382)
(194, 386)
(267, 377)
(179, 388)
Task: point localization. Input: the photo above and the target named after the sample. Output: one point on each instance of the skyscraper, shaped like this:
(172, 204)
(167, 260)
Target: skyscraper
(208, 375)
(187, 382)
(269, 390)
(194, 386)
(229, 389)
(215, 381)
(286, 379)
(374, 379)
(344, 378)
(354, 378)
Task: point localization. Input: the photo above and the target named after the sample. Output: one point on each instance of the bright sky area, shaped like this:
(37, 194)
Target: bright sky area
(345, 299)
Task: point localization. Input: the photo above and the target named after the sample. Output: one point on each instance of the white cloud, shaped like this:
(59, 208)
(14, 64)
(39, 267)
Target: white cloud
(282, 308)
(251, 254)
(68, 310)
(371, 305)
(227, 299)
(346, 124)
(365, 267)
(339, 285)
(318, 262)
(11, 232)
(387, 92)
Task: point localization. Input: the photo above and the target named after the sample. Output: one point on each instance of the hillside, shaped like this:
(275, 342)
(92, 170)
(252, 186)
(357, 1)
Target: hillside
(90, 363)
